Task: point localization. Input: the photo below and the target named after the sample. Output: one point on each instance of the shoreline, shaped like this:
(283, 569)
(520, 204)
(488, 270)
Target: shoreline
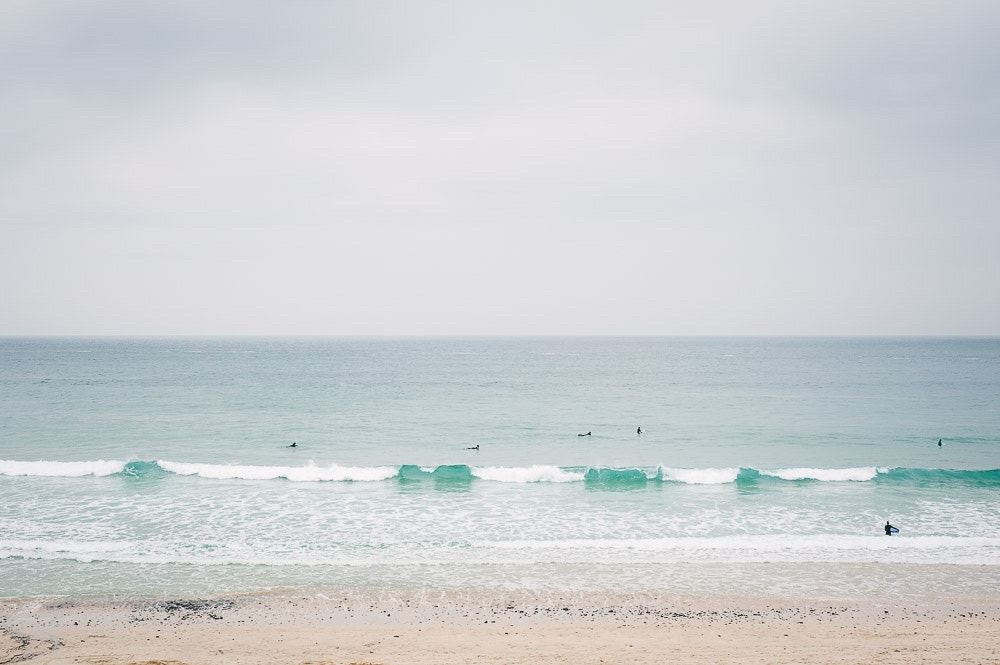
(443, 628)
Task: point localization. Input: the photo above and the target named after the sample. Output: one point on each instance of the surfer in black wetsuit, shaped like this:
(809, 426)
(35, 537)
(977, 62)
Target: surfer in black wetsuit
(939, 443)
(638, 430)
(294, 445)
(888, 528)
(475, 447)
(587, 434)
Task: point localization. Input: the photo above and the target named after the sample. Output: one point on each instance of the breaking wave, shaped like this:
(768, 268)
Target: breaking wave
(460, 473)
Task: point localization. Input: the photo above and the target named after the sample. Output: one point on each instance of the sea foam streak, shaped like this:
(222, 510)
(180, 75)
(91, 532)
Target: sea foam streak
(532, 474)
(308, 473)
(972, 550)
(611, 551)
(834, 475)
(63, 549)
(61, 469)
(760, 543)
(700, 476)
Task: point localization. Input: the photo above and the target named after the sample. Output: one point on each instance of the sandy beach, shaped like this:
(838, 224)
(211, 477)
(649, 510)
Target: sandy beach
(512, 628)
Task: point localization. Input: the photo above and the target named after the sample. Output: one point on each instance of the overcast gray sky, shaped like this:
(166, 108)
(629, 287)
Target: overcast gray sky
(394, 168)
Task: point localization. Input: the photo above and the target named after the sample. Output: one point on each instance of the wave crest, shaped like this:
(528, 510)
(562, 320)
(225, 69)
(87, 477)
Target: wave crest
(445, 474)
(61, 469)
(532, 474)
(700, 476)
(831, 475)
(308, 473)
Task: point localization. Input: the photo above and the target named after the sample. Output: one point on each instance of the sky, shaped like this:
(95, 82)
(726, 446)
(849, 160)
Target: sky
(712, 167)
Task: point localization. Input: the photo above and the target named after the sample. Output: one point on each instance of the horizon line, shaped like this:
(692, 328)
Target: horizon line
(496, 336)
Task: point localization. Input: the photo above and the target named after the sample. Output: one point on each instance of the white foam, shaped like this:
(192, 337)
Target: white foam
(61, 469)
(308, 473)
(745, 548)
(84, 551)
(532, 474)
(701, 476)
(772, 547)
(834, 475)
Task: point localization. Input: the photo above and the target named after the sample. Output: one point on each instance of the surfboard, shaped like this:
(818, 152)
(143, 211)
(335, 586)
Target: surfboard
(893, 530)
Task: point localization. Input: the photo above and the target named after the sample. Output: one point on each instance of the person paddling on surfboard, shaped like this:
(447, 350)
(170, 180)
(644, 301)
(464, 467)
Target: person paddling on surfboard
(889, 529)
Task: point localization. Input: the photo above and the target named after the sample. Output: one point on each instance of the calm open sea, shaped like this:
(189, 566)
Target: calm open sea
(147, 467)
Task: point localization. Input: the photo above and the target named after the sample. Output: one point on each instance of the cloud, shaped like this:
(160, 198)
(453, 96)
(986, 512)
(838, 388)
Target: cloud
(439, 167)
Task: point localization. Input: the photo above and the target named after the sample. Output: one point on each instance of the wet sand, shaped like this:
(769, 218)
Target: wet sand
(452, 628)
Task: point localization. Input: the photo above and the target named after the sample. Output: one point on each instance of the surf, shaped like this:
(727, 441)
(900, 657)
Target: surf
(46, 468)
(593, 476)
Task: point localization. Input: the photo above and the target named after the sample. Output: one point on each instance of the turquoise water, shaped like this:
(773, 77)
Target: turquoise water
(163, 466)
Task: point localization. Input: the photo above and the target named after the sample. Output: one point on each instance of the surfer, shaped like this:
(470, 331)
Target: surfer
(475, 447)
(889, 528)
(294, 445)
(939, 443)
(587, 434)
(638, 430)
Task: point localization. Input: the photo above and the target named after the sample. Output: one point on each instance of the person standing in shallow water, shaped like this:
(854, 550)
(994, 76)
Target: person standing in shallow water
(888, 528)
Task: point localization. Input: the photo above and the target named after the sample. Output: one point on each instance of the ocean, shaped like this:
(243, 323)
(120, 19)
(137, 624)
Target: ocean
(765, 466)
